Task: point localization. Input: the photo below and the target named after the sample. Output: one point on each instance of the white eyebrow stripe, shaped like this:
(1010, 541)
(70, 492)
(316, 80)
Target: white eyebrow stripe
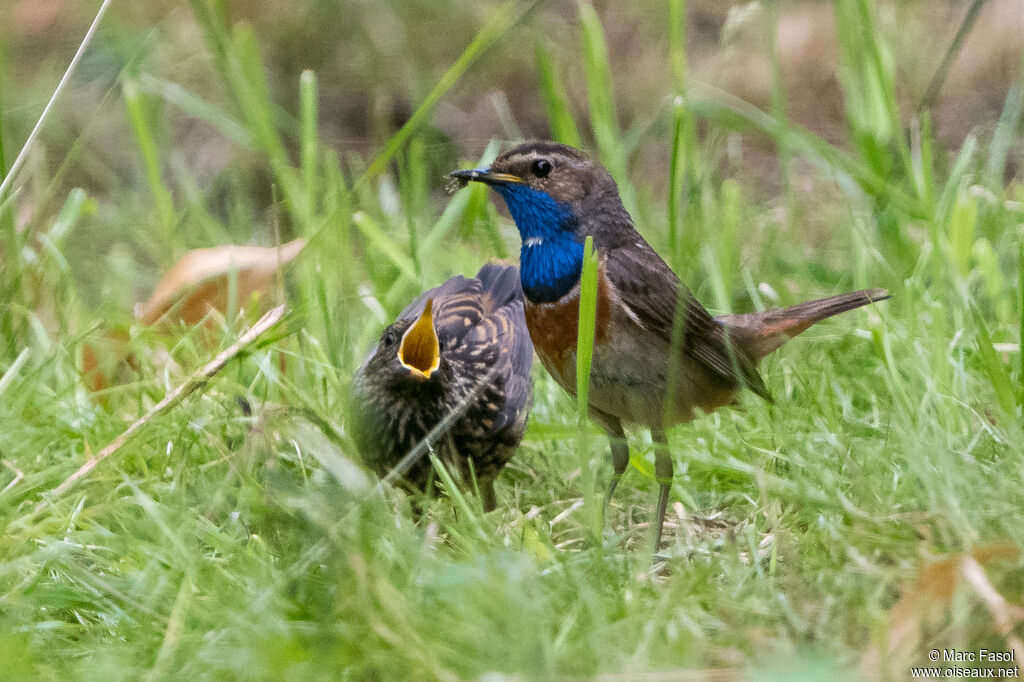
(533, 241)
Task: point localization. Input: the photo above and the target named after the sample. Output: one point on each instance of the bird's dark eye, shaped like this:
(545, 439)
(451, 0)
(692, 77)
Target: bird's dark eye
(541, 168)
(389, 337)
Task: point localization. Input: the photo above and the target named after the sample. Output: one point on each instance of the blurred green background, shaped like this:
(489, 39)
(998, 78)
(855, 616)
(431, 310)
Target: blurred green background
(773, 152)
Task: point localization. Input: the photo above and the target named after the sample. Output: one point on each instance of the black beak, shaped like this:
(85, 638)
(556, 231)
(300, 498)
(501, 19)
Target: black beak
(484, 175)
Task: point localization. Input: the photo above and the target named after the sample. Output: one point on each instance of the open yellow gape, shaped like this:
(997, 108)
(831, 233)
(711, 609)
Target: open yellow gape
(420, 351)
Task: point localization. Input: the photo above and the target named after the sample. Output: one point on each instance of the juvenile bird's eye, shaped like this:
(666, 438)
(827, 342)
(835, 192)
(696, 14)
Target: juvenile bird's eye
(541, 168)
(389, 338)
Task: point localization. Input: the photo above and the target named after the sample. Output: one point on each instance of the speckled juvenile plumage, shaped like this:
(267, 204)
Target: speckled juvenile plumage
(557, 197)
(483, 376)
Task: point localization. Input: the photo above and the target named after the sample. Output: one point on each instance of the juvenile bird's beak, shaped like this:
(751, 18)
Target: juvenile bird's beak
(485, 175)
(420, 351)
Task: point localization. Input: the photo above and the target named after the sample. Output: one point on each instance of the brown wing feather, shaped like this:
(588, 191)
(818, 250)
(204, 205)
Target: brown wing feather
(500, 334)
(647, 285)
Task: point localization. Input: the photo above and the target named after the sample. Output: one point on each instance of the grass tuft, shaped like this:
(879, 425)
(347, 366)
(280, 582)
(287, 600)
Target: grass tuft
(236, 536)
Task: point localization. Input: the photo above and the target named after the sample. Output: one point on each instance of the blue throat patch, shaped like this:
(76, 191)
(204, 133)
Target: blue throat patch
(551, 258)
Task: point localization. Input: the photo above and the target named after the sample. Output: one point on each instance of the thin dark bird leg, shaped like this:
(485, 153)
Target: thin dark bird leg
(487, 495)
(620, 460)
(663, 474)
(619, 449)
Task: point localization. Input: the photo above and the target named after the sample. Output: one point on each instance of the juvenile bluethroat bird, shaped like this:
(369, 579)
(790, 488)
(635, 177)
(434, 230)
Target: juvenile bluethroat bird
(557, 196)
(454, 369)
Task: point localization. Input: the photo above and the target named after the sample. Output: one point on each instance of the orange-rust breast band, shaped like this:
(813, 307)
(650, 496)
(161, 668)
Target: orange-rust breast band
(554, 326)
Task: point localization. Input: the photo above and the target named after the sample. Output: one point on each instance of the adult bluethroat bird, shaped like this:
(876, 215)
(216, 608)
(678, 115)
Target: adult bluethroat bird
(452, 373)
(557, 196)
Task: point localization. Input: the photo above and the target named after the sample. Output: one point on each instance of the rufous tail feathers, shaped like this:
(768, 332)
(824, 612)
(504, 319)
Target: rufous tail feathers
(758, 334)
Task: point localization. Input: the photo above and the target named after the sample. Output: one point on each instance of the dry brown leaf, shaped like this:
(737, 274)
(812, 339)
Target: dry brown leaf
(95, 378)
(100, 355)
(200, 281)
(1005, 614)
(928, 597)
(197, 284)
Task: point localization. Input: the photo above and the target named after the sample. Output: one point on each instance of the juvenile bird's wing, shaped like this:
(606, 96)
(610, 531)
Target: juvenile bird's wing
(500, 281)
(503, 330)
(651, 291)
(454, 301)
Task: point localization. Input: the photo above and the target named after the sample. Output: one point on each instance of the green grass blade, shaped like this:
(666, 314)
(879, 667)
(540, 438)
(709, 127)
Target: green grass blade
(680, 183)
(684, 169)
(584, 357)
(195, 106)
(1003, 137)
(412, 187)
(449, 218)
(998, 377)
(309, 150)
(954, 181)
(603, 115)
(135, 107)
(599, 82)
(237, 57)
(868, 83)
(867, 73)
(556, 100)
(7, 224)
(467, 513)
(5, 184)
(677, 42)
(505, 17)
(922, 170)
(379, 238)
(12, 372)
(939, 77)
(587, 325)
(3, 153)
(74, 208)
(1020, 319)
(250, 87)
(733, 112)
(10, 269)
(962, 223)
